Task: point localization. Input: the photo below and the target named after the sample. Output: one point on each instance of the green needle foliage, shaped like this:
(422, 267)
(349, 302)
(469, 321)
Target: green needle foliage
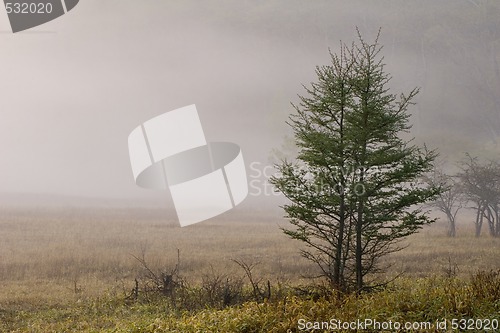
(356, 187)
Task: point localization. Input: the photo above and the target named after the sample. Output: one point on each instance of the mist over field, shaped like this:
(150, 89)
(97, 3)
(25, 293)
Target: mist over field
(73, 89)
(83, 248)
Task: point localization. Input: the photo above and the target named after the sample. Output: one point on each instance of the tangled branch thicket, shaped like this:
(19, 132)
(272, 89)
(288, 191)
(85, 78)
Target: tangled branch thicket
(216, 290)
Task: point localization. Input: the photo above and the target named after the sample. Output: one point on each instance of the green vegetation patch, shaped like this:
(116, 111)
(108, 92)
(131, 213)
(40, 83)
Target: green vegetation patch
(404, 300)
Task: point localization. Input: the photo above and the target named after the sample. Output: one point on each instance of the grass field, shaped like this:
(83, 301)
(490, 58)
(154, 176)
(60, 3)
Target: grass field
(75, 267)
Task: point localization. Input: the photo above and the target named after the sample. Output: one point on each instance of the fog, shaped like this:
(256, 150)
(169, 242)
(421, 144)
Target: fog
(73, 89)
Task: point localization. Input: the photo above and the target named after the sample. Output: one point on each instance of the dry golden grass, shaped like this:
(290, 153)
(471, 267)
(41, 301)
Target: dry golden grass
(432, 252)
(57, 256)
(51, 253)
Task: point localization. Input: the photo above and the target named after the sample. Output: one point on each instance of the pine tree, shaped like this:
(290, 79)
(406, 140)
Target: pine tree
(355, 189)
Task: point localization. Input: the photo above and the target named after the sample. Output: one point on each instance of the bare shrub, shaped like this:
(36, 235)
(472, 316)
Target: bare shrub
(222, 290)
(260, 292)
(157, 280)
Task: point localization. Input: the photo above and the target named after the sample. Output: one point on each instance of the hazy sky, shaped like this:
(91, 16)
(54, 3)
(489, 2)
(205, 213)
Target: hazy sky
(73, 89)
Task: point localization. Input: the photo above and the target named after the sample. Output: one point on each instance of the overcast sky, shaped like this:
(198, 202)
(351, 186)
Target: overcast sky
(73, 89)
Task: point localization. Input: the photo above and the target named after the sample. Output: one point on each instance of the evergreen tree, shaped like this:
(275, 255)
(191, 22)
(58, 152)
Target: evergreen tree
(356, 188)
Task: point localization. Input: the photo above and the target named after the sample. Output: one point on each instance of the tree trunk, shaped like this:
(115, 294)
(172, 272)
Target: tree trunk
(345, 255)
(479, 220)
(491, 220)
(497, 221)
(337, 280)
(451, 221)
(359, 247)
(452, 228)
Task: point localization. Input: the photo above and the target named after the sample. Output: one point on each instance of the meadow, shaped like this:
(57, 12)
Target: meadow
(74, 269)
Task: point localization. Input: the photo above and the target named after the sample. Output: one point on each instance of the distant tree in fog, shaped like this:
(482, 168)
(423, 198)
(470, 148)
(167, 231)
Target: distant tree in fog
(450, 201)
(480, 183)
